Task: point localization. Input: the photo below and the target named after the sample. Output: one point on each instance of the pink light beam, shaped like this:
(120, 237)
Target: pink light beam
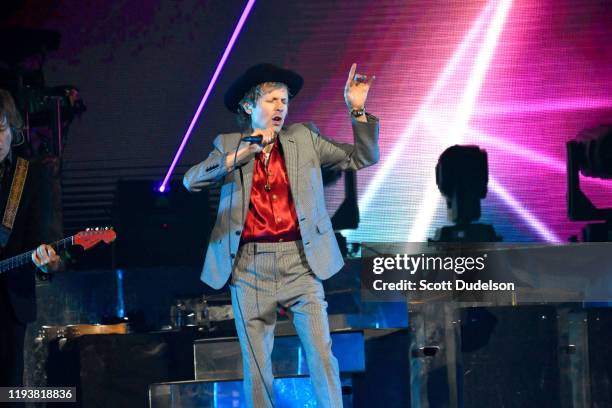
(526, 153)
(532, 221)
(424, 110)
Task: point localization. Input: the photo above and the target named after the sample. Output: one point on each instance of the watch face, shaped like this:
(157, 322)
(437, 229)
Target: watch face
(357, 113)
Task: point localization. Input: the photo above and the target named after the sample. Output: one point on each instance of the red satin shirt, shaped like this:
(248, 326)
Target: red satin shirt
(271, 216)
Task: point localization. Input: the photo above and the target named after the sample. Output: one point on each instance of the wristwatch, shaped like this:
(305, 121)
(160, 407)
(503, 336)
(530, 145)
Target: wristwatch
(357, 112)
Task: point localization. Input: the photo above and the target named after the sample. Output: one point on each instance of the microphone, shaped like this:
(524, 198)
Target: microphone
(253, 139)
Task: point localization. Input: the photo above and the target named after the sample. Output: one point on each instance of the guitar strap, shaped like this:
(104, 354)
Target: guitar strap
(14, 198)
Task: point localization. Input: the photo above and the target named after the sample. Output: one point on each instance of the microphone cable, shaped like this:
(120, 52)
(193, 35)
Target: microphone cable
(229, 244)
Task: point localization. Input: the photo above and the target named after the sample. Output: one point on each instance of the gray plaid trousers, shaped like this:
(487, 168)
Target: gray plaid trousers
(278, 273)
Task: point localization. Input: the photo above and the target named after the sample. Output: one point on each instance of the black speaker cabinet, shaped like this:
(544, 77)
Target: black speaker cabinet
(510, 357)
(160, 229)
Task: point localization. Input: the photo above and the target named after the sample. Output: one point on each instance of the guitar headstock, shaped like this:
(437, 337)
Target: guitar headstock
(93, 236)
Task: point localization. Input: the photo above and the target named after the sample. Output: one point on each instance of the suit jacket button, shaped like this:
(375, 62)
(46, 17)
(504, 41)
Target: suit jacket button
(238, 232)
(232, 256)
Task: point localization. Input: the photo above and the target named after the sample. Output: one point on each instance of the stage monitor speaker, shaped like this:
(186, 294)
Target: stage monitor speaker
(116, 370)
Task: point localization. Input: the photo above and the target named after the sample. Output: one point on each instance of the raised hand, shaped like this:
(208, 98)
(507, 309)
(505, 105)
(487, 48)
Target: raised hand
(356, 89)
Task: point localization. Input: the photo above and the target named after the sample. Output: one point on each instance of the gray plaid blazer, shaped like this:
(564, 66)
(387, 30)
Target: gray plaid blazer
(305, 152)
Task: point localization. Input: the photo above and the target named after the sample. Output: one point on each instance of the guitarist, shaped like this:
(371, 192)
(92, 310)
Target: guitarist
(27, 218)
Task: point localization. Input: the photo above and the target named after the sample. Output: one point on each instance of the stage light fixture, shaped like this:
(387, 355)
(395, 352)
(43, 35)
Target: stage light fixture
(594, 147)
(590, 153)
(462, 176)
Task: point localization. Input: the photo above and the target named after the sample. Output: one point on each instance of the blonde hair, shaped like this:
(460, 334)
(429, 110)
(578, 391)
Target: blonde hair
(9, 115)
(251, 97)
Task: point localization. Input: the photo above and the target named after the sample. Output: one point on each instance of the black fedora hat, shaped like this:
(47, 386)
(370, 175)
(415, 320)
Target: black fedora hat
(256, 75)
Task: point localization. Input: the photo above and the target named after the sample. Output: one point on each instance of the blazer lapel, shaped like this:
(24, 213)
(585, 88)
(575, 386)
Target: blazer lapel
(247, 175)
(287, 141)
(244, 172)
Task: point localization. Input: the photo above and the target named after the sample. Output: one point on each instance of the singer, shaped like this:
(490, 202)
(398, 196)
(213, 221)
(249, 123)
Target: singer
(273, 235)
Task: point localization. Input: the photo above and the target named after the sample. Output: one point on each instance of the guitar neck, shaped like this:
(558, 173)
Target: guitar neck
(25, 258)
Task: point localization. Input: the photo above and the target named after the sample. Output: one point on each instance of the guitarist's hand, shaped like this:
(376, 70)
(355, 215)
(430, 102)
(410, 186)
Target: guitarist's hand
(45, 258)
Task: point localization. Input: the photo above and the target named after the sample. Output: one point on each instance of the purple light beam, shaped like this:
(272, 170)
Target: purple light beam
(228, 49)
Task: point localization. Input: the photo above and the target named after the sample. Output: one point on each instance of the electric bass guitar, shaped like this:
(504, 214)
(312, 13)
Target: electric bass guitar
(87, 239)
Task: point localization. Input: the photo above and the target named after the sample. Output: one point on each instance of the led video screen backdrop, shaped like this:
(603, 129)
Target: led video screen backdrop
(518, 78)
